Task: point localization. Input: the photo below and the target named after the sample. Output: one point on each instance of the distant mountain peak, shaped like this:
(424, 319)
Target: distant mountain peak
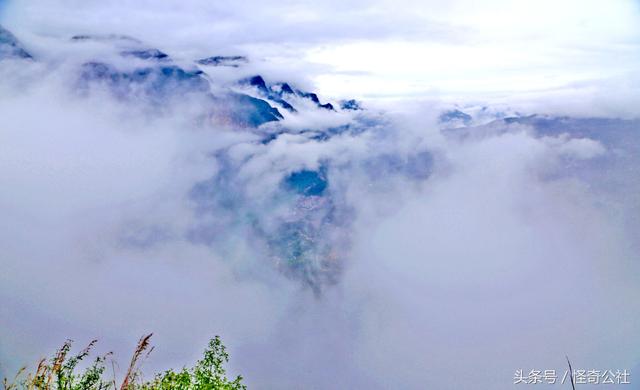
(281, 88)
(104, 37)
(146, 54)
(10, 47)
(278, 91)
(350, 104)
(456, 116)
(231, 61)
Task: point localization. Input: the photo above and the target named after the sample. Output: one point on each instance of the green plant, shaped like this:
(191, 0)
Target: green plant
(60, 372)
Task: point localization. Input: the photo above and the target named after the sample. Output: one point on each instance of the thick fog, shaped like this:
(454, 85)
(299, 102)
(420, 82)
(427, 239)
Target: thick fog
(383, 247)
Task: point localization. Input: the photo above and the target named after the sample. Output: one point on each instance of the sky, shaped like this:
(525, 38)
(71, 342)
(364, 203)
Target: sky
(458, 256)
(385, 49)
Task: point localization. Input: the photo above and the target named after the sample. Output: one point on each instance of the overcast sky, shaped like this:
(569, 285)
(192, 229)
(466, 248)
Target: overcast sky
(459, 49)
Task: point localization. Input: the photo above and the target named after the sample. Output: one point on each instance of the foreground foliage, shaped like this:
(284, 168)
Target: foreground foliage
(60, 372)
